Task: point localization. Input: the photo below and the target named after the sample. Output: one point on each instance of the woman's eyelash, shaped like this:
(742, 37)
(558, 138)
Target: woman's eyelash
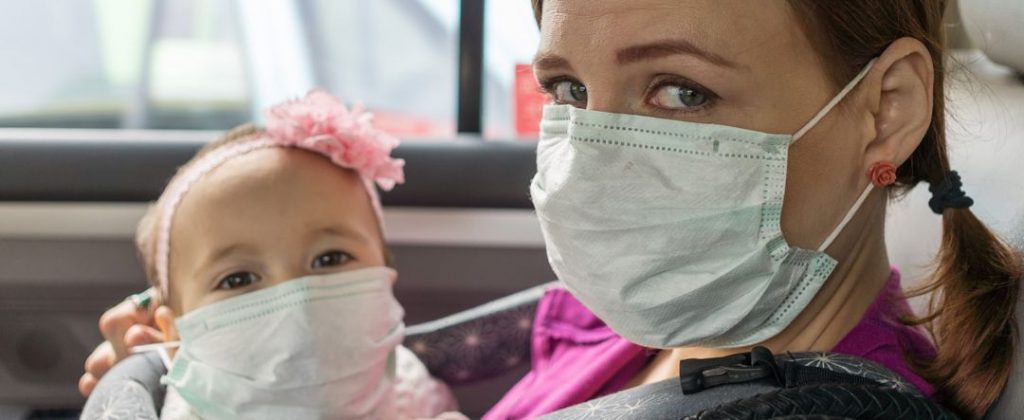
(672, 80)
(548, 85)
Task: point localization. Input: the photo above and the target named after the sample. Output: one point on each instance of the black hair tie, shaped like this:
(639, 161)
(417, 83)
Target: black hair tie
(949, 194)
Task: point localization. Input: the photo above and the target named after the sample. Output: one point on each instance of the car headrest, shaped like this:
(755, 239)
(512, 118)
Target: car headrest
(997, 28)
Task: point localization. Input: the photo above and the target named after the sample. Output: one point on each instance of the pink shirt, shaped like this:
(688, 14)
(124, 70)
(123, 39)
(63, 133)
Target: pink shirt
(576, 357)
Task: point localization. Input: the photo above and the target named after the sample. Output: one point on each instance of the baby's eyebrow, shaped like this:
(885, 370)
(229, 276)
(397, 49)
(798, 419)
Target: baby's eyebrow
(223, 252)
(337, 230)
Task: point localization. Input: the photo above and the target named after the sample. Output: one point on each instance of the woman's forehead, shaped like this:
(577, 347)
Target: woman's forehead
(732, 29)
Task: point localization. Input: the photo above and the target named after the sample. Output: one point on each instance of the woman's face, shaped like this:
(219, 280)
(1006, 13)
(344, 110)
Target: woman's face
(732, 62)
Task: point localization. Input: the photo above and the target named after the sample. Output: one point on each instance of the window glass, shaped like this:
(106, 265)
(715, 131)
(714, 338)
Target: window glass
(121, 63)
(397, 56)
(213, 64)
(512, 101)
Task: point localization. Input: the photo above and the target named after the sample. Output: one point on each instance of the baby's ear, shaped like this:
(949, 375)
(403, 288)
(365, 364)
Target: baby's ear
(164, 317)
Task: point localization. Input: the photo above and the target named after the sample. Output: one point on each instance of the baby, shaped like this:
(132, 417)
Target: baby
(267, 249)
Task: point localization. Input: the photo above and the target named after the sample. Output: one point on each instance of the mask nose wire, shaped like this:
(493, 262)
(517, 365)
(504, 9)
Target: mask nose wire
(834, 102)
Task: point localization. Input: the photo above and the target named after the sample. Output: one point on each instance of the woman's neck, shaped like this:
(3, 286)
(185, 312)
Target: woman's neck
(838, 306)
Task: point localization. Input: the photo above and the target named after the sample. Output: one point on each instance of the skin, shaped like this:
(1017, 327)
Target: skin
(257, 221)
(724, 62)
(263, 219)
(268, 215)
(776, 83)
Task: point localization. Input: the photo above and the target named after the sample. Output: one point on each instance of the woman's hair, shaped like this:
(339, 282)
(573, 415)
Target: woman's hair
(975, 286)
(145, 234)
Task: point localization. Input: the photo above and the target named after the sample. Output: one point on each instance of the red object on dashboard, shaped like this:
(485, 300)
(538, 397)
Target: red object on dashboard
(529, 102)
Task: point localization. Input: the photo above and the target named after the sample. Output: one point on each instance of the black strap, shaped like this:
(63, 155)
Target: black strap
(696, 375)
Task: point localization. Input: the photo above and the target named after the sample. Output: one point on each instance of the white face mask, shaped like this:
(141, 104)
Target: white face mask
(315, 347)
(669, 231)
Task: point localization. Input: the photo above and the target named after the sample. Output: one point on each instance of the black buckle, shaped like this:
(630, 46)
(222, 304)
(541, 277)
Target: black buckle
(696, 375)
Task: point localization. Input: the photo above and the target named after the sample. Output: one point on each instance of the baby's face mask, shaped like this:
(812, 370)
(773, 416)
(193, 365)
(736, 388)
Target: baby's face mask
(318, 346)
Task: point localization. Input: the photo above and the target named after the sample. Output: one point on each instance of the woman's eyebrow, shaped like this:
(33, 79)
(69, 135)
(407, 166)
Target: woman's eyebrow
(664, 48)
(547, 61)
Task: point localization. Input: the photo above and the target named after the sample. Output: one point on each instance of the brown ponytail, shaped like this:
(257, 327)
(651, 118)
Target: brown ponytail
(974, 294)
(975, 286)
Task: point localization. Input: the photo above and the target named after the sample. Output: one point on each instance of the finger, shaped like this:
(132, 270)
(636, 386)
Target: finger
(100, 361)
(87, 384)
(116, 321)
(138, 335)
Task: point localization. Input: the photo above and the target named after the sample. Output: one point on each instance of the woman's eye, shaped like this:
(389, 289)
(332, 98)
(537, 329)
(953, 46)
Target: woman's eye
(680, 97)
(235, 280)
(331, 259)
(569, 92)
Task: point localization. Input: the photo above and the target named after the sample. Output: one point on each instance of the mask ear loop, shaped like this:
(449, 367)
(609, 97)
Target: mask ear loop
(160, 348)
(846, 220)
(814, 122)
(834, 102)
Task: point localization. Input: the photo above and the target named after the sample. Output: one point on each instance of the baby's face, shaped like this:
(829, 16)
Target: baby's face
(265, 218)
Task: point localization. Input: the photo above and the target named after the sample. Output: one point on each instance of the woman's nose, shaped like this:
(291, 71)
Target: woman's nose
(609, 100)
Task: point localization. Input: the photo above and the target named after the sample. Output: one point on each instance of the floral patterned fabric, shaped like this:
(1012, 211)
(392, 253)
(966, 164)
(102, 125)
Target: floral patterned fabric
(664, 399)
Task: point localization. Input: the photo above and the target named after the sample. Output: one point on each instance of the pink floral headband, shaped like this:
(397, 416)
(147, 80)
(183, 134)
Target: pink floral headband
(318, 123)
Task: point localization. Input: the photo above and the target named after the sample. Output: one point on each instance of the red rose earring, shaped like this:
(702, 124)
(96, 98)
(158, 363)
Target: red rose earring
(882, 174)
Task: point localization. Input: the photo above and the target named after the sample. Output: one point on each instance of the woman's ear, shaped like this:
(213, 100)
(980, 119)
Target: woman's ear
(900, 95)
(165, 317)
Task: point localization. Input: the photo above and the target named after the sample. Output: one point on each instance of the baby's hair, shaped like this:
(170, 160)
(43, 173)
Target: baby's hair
(145, 234)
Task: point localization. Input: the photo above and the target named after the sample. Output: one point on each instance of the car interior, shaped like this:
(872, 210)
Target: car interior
(122, 94)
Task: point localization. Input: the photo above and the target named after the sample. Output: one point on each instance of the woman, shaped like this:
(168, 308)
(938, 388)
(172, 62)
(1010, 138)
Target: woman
(660, 194)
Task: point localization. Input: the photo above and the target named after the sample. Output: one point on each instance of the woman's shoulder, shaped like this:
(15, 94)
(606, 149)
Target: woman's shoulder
(882, 337)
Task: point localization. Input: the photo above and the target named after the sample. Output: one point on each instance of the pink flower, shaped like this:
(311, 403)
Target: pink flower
(321, 123)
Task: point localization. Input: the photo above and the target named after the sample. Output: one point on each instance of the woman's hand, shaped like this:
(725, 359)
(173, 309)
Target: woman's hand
(124, 326)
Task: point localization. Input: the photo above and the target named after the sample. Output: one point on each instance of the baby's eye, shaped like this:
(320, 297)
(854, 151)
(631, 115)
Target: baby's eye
(331, 259)
(239, 279)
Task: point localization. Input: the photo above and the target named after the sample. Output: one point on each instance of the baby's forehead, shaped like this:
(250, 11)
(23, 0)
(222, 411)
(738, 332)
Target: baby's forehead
(281, 169)
(306, 181)
(273, 163)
